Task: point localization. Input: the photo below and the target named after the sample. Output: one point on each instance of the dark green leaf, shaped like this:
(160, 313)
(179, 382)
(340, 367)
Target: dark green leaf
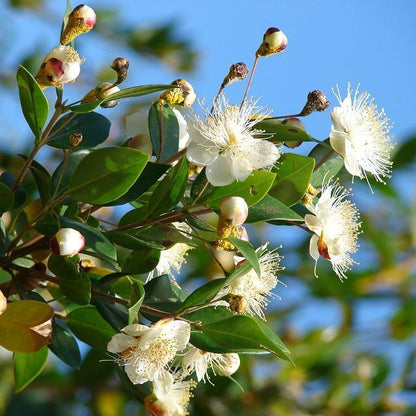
(269, 209)
(127, 92)
(64, 346)
(281, 132)
(164, 131)
(135, 303)
(94, 128)
(141, 261)
(20, 193)
(33, 101)
(170, 190)
(88, 325)
(292, 179)
(151, 173)
(115, 169)
(253, 189)
(43, 181)
(114, 313)
(135, 216)
(405, 154)
(132, 240)
(27, 366)
(6, 198)
(246, 250)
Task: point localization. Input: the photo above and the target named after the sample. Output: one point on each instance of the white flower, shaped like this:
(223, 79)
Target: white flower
(171, 395)
(199, 361)
(146, 351)
(252, 289)
(172, 259)
(67, 242)
(335, 225)
(61, 65)
(360, 135)
(224, 143)
(137, 125)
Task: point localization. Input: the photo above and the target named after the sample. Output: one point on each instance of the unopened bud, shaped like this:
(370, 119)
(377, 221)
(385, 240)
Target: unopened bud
(274, 41)
(102, 90)
(294, 126)
(237, 72)
(233, 211)
(67, 242)
(240, 233)
(316, 101)
(238, 303)
(60, 66)
(230, 363)
(121, 66)
(81, 20)
(225, 258)
(183, 95)
(75, 139)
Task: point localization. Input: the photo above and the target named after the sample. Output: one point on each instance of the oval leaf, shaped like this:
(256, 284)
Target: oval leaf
(281, 132)
(27, 367)
(94, 128)
(6, 198)
(34, 104)
(106, 174)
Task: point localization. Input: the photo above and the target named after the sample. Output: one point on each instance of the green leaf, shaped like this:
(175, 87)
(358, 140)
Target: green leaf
(88, 325)
(135, 302)
(19, 195)
(269, 209)
(64, 346)
(130, 240)
(94, 128)
(247, 251)
(17, 323)
(405, 154)
(292, 179)
(141, 261)
(281, 132)
(27, 366)
(34, 104)
(43, 181)
(115, 169)
(127, 92)
(164, 131)
(114, 313)
(253, 189)
(75, 285)
(168, 193)
(6, 198)
(151, 173)
(65, 170)
(245, 334)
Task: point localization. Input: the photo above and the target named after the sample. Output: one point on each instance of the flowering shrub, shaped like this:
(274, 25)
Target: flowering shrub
(116, 286)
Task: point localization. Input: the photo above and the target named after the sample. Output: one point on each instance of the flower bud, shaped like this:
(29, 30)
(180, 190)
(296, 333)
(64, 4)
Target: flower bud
(81, 20)
(237, 72)
(61, 65)
(102, 90)
(240, 233)
(75, 139)
(121, 66)
(316, 101)
(233, 212)
(67, 242)
(294, 125)
(230, 363)
(183, 95)
(274, 41)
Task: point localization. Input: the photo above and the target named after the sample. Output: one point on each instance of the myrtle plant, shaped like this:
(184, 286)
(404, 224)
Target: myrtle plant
(77, 267)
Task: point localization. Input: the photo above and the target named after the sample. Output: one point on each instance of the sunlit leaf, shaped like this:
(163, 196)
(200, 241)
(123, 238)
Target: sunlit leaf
(27, 366)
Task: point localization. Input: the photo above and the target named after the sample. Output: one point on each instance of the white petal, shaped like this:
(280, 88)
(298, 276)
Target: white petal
(219, 173)
(120, 343)
(184, 137)
(313, 224)
(135, 329)
(134, 376)
(181, 331)
(200, 155)
(137, 124)
(337, 141)
(313, 248)
(162, 384)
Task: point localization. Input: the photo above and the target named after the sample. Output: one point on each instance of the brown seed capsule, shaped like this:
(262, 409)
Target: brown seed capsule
(121, 66)
(75, 139)
(237, 72)
(316, 101)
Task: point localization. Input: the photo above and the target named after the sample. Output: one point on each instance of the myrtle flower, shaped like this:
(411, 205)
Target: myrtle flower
(253, 290)
(224, 142)
(335, 224)
(172, 258)
(146, 351)
(137, 126)
(60, 66)
(171, 395)
(360, 135)
(199, 362)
